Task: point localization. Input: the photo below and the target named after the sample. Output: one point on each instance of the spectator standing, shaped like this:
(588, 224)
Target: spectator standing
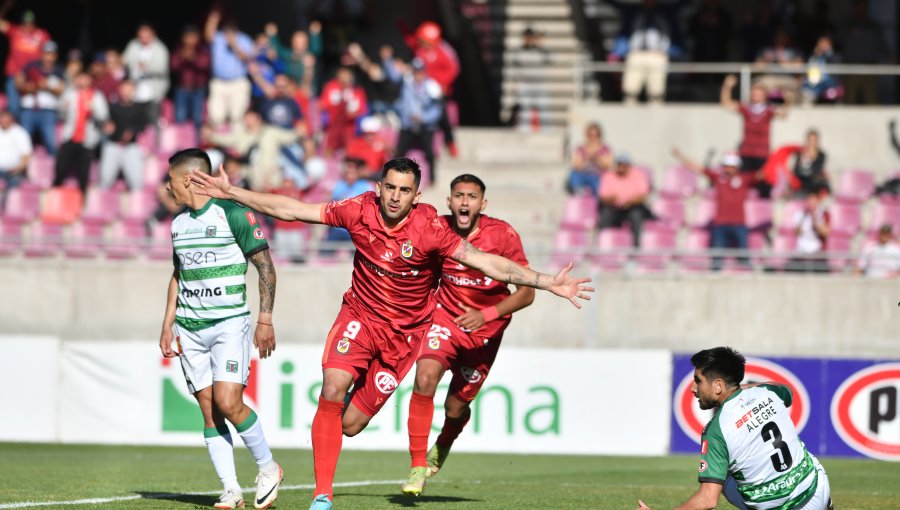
(26, 43)
(350, 185)
(344, 102)
(263, 69)
(729, 227)
(85, 108)
(103, 78)
(652, 34)
(528, 65)
(15, 153)
(279, 108)
(229, 87)
(73, 67)
(809, 165)
(818, 81)
(419, 109)
(880, 257)
(381, 92)
(121, 151)
(147, 61)
(370, 147)
(305, 48)
(190, 65)
(441, 65)
(589, 161)
(41, 82)
(862, 42)
(813, 226)
(782, 55)
(623, 194)
(757, 115)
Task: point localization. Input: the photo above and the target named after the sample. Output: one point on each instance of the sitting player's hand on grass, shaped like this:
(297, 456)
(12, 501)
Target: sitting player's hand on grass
(570, 288)
(217, 186)
(642, 506)
(471, 320)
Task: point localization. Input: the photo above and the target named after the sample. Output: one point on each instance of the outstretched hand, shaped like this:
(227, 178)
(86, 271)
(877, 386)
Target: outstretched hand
(215, 186)
(642, 506)
(570, 288)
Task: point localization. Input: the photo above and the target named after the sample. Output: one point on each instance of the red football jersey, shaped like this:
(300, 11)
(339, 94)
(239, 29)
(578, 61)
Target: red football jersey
(471, 287)
(395, 270)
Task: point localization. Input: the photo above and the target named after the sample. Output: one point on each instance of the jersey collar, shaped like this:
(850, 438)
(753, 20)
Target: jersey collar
(199, 212)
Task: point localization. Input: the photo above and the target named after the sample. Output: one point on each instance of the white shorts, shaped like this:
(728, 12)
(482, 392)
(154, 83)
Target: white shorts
(217, 353)
(823, 491)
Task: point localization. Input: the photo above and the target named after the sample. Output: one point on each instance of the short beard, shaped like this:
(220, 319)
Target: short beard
(706, 405)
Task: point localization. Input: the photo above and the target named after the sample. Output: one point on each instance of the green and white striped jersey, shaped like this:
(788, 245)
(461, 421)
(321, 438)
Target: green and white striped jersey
(211, 247)
(752, 438)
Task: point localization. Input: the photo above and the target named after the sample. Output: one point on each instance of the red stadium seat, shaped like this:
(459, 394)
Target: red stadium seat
(42, 169)
(127, 241)
(656, 248)
(161, 241)
(85, 240)
(62, 206)
(610, 248)
(882, 214)
(839, 248)
(855, 186)
(670, 214)
(175, 137)
(783, 247)
(22, 205)
(569, 244)
(10, 238)
(704, 212)
(758, 214)
(696, 246)
(44, 240)
(788, 215)
(579, 213)
(845, 218)
(101, 207)
(139, 206)
(678, 183)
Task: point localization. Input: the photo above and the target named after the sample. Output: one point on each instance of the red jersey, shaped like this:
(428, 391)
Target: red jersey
(395, 270)
(757, 120)
(373, 151)
(24, 47)
(460, 284)
(441, 62)
(731, 193)
(342, 103)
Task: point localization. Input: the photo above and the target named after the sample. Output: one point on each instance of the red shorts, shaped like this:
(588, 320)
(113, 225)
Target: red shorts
(466, 354)
(378, 356)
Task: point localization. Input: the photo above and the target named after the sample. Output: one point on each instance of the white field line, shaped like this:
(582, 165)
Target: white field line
(100, 501)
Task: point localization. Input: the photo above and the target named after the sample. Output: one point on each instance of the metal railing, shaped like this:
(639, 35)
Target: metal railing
(744, 71)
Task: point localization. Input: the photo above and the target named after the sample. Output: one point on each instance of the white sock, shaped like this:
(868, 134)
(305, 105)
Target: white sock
(221, 452)
(252, 434)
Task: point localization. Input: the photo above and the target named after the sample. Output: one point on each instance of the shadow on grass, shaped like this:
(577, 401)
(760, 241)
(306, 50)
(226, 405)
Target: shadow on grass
(192, 499)
(412, 501)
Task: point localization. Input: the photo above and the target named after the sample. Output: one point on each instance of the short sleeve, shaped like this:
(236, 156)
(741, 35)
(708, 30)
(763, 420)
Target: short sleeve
(342, 213)
(783, 392)
(446, 241)
(512, 247)
(713, 454)
(246, 229)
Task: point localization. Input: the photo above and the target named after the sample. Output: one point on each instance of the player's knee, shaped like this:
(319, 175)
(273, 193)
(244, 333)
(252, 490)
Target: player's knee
(229, 406)
(426, 383)
(333, 392)
(456, 409)
(352, 429)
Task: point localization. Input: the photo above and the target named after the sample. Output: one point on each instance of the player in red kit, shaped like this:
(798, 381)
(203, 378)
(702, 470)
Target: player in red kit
(472, 313)
(400, 248)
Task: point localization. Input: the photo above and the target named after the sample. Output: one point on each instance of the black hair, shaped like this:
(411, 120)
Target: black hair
(404, 166)
(194, 158)
(720, 363)
(468, 178)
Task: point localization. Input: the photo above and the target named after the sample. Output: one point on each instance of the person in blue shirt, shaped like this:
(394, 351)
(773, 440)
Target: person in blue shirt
(350, 185)
(229, 87)
(419, 108)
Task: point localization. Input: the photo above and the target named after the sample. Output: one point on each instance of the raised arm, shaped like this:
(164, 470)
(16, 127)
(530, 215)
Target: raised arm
(725, 98)
(264, 338)
(504, 270)
(687, 162)
(212, 25)
(277, 206)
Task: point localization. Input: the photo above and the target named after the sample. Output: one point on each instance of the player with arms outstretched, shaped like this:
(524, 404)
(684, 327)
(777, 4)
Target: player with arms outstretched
(386, 313)
(208, 318)
(750, 442)
(472, 313)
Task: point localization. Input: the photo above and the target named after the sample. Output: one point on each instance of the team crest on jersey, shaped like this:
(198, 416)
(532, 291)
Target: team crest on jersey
(258, 233)
(703, 466)
(407, 249)
(470, 374)
(231, 366)
(210, 231)
(343, 345)
(434, 343)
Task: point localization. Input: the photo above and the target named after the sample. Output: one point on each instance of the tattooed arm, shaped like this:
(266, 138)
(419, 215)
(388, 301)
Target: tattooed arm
(264, 339)
(505, 270)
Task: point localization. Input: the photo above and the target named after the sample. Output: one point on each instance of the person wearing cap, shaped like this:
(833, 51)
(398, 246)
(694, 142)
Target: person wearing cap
(880, 257)
(441, 65)
(419, 109)
(371, 148)
(729, 228)
(343, 101)
(26, 42)
(40, 83)
(190, 64)
(623, 194)
(147, 60)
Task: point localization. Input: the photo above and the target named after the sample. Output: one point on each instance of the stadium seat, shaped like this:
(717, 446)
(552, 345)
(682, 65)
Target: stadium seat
(101, 207)
(611, 247)
(839, 248)
(167, 111)
(85, 240)
(579, 213)
(703, 214)
(42, 169)
(758, 214)
(696, 246)
(147, 140)
(845, 218)
(126, 241)
(788, 213)
(161, 241)
(884, 213)
(855, 186)
(656, 249)
(44, 240)
(669, 213)
(22, 205)
(783, 246)
(10, 238)
(62, 206)
(138, 206)
(175, 137)
(647, 171)
(569, 244)
(678, 183)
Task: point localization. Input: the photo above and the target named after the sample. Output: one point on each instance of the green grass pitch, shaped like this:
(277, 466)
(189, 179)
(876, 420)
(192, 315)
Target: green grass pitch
(127, 477)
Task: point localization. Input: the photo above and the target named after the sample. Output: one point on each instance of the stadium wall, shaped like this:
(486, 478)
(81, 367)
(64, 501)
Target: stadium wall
(852, 137)
(837, 316)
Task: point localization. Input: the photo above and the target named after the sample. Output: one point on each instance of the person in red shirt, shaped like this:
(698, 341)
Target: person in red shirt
(344, 101)
(401, 245)
(371, 147)
(472, 313)
(26, 42)
(729, 229)
(441, 65)
(757, 115)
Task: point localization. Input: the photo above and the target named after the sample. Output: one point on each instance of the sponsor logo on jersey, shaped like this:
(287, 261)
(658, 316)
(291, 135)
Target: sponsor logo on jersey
(258, 233)
(692, 420)
(407, 249)
(434, 343)
(380, 271)
(703, 466)
(464, 281)
(251, 218)
(343, 345)
(865, 411)
(231, 366)
(470, 374)
(194, 258)
(210, 231)
(189, 293)
(387, 256)
(385, 382)
(704, 447)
